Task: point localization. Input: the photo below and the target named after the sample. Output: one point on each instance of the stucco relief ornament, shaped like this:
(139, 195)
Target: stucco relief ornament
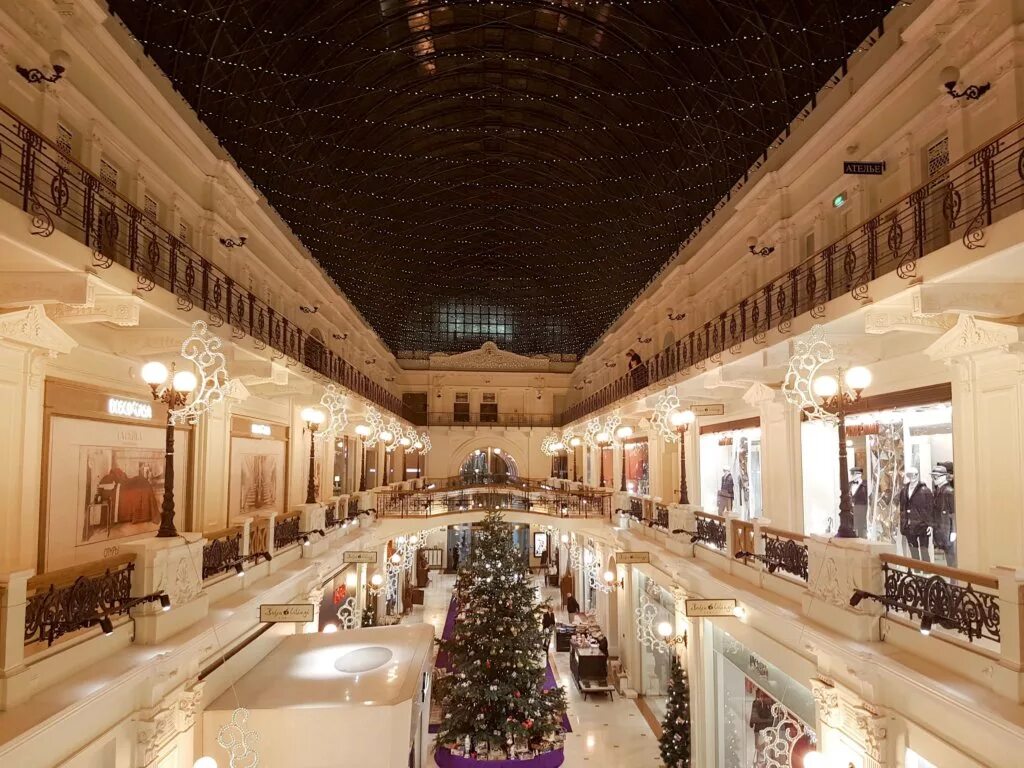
(239, 742)
(668, 403)
(336, 406)
(809, 356)
(202, 348)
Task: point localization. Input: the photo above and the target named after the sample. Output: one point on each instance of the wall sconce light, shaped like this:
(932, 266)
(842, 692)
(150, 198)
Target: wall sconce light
(236, 242)
(58, 61)
(667, 633)
(310, 310)
(950, 76)
(764, 251)
(339, 336)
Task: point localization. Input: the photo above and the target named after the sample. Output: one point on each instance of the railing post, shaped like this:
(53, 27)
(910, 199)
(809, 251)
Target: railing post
(733, 537)
(837, 567)
(758, 525)
(246, 549)
(13, 600)
(1011, 628)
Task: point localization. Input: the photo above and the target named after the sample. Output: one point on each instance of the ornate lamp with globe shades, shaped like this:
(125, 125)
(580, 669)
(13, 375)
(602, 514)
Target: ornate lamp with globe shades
(313, 417)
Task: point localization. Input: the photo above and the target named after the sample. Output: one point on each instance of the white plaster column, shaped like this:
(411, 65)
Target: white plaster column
(210, 484)
(781, 458)
(988, 439)
(27, 337)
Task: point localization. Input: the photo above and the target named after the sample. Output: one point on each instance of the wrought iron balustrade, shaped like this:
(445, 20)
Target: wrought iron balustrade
(710, 530)
(286, 530)
(331, 515)
(960, 601)
(59, 194)
(959, 202)
(661, 515)
(222, 551)
(78, 597)
(784, 551)
(521, 495)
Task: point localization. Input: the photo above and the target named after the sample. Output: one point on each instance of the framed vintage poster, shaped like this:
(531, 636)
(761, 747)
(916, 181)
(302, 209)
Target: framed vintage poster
(257, 476)
(105, 485)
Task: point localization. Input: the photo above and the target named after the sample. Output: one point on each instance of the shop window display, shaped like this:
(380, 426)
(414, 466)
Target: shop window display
(914, 760)
(901, 479)
(730, 472)
(637, 467)
(763, 716)
(655, 666)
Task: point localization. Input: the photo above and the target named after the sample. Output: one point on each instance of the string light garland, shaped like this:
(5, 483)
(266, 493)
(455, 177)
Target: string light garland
(477, 155)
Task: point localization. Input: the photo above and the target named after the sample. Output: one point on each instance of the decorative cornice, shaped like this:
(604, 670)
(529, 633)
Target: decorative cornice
(32, 328)
(119, 310)
(488, 358)
(971, 336)
(879, 321)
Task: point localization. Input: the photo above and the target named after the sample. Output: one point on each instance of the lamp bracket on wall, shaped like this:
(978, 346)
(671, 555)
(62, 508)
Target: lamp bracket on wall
(233, 242)
(676, 316)
(310, 310)
(643, 339)
(339, 336)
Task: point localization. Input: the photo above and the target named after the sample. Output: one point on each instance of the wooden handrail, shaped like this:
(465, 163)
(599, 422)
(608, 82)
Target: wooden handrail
(782, 533)
(288, 516)
(69, 575)
(224, 533)
(710, 516)
(972, 577)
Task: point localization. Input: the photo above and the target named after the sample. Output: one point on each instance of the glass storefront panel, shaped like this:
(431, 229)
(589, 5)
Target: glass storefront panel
(730, 472)
(763, 715)
(914, 760)
(884, 449)
(637, 466)
(655, 666)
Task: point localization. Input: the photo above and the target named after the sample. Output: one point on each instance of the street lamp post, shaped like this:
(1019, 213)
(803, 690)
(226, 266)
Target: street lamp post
(173, 395)
(837, 394)
(623, 433)
(574, 443)
(363, 432)
(313, 417)
(681, 420)
(603, 439)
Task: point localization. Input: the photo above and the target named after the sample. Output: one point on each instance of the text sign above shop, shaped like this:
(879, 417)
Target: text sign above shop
(709, 409)
(131, 409)
(864, 168)
(260, 429)
(298, 613)
(625, 558)
(359, 556)
(706, 608)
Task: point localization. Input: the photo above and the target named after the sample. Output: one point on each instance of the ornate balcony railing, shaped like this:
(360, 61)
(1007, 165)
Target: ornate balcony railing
(520, 495)
(710, 530)
(785, 551)
(331, 516)
(259, 539)
(286, 530)
(222, 551)
(477, 419)
(959, 202)
(74, 598)
(59, 194)
(961, 601)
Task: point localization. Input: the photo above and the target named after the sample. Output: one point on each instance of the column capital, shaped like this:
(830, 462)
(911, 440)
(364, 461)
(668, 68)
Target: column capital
(971, 336)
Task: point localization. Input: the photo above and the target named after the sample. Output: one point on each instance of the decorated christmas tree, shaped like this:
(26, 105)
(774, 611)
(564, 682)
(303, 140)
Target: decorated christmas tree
(494, 703)
(675, 736)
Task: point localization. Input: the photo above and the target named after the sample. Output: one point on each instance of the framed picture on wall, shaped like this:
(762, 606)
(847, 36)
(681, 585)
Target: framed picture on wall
(105, 484)
(540, 543)
(257, 477)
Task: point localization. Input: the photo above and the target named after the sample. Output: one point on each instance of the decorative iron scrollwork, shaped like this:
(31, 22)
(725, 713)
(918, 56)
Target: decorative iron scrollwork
(41, 221)
(786, 555)
(60, 193)
(220, 555)
(960, 608)
(710, 531)
(286, 532)
(63, 609)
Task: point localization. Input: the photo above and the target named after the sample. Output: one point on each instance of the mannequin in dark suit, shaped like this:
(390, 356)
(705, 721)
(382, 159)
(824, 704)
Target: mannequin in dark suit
(859, 497)
(726, 492)
(917, 510)
(945, 511)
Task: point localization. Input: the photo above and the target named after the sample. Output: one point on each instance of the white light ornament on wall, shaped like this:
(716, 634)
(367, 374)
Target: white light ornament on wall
(202, 349)
(392, 434)
(647, 627)
(374, 424)
(548, 443)
(668, 405)
(424, 444)
(612, 422)
(239, 742)
(598, 580)
(347, 614)
(591, 432)
(810, 355)
(778, 741)
(335, 405)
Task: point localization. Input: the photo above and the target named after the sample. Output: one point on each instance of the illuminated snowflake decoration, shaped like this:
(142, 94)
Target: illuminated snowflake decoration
(575, 551)
(778, 740)
(591, 432)
(347, 614)
(595, 576)
(612, 422)
(239, 742)
(547, 445)
(425, 442)
(646, 618)
(336, 406)
(809, 356)
(375, 422)
(567, 435)
(202, 348)
(394, 426)
(668, 403)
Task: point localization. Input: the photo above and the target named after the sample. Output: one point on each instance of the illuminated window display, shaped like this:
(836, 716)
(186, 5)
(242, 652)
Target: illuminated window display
(730, 470)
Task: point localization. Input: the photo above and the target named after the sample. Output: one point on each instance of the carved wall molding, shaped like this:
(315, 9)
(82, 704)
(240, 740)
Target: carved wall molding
(32, 328)
(488, 358)
(118, 310)
(879, 321)
(971, 335)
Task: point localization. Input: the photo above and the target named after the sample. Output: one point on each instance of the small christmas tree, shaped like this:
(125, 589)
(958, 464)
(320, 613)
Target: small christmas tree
(494, 703)
(675, 735)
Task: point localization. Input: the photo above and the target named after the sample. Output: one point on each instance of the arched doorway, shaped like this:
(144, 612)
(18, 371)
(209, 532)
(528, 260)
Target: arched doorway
(489, 465)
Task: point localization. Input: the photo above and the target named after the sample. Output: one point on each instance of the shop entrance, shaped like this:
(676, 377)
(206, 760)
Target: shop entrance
(461, 538)
(489, 465)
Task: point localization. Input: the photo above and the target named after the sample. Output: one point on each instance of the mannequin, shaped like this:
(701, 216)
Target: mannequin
(916, 514)
(726, 492)
(859, 498)
(945, 511)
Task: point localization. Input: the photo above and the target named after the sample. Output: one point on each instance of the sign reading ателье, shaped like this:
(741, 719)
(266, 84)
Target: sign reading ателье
(298, 613)
(706, 608)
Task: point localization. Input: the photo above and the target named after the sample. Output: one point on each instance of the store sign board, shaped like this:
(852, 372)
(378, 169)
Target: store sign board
(864, 168)
(626, 558)
(359, 556)
(260, 429)
(296, 613)
(709, 409)
(130, 409)
(706, 608)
